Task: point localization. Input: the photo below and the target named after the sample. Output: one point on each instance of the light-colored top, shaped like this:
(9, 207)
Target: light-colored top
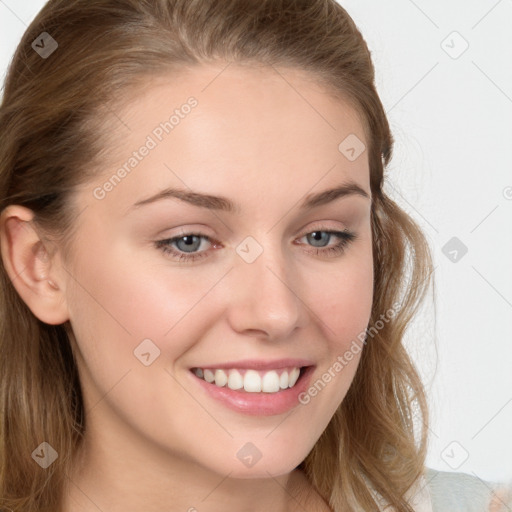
(444, 491)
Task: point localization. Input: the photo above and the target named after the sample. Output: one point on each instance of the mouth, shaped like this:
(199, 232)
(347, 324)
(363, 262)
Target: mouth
(248, 380)
(256, 387)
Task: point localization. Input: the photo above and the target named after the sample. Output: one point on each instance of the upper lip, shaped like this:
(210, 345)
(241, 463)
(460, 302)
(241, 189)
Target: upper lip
(260, 364)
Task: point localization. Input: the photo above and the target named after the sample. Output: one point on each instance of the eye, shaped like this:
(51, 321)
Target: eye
(185, 247)
(321, 236)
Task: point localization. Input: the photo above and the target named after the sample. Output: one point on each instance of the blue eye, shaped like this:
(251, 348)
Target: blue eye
(184, 247)
(344, 239)
(185, 252)
(191, 242)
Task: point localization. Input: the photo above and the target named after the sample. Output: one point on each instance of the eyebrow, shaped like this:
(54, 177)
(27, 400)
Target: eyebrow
(220, 203)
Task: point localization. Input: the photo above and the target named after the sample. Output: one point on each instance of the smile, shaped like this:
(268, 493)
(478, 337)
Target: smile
(249, 380)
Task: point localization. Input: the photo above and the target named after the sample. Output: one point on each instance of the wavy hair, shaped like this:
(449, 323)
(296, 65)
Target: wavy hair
(53, 141)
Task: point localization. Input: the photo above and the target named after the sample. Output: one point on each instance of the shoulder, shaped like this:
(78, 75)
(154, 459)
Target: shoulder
(445, 491)
(462, 492)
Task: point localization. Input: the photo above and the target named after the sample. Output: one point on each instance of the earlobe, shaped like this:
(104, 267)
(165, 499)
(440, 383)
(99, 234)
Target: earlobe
(30, 266)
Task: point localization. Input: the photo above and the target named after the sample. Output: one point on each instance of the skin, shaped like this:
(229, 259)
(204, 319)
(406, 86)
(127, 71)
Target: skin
(265, 140)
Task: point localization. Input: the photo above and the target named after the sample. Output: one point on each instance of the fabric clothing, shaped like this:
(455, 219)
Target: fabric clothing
(444, 491)
(456, 492)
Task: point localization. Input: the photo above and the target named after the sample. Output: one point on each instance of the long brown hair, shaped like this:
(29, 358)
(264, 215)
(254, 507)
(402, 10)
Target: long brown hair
(53, 140)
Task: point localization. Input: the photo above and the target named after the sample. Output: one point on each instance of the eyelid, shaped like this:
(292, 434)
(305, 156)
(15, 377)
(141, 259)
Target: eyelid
(315, 226)
(344, 236)
(323, 226)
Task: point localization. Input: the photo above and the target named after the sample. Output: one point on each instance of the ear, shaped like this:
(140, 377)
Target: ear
(30, 266)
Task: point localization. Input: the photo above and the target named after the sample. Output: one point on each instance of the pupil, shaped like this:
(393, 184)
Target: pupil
(317, 235)
(189, 241)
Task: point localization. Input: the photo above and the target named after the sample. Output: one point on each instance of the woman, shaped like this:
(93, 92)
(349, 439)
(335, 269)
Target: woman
(205, 288)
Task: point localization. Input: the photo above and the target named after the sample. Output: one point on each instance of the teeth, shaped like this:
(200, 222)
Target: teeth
(283, 380)
(235, 380)
(270, 382)
(221, 378)
(251, 381)
(208, 376)
(292, 379)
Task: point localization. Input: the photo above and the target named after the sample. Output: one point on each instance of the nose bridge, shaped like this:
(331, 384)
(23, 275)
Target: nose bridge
(264, 298)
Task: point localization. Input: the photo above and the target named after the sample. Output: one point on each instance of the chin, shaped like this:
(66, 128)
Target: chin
(263, 468)
(258, 471)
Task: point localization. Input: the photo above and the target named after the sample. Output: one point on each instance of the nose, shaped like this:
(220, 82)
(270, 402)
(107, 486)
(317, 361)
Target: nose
(266, 298)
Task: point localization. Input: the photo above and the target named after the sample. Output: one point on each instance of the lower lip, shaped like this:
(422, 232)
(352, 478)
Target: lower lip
(258, 404)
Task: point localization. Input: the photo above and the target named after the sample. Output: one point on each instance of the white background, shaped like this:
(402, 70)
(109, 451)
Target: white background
(452, 172)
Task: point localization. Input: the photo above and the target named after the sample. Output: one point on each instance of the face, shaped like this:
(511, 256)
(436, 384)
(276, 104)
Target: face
(159, 289)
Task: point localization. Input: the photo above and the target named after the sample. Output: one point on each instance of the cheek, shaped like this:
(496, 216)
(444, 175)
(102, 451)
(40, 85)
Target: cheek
(342, 299)
(125, 296)
(120, 300)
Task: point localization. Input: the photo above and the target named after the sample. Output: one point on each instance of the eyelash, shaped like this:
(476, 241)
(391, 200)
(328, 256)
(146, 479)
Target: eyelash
(346, 237)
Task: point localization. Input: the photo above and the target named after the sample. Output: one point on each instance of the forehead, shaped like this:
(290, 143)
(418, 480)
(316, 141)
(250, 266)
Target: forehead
(231, 90)
(247, 123)
(242, 99)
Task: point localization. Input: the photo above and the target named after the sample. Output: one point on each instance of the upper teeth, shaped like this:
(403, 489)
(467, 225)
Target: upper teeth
(251, 380)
